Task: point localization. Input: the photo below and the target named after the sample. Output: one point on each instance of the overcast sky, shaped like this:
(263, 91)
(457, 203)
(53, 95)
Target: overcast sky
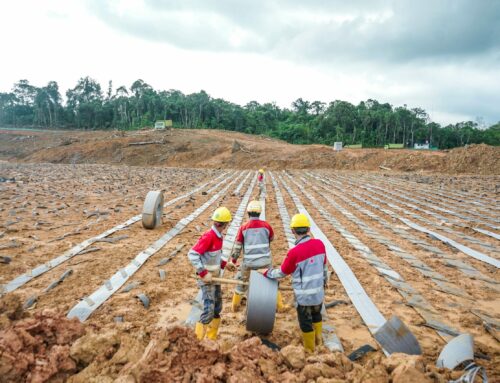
(442, 55)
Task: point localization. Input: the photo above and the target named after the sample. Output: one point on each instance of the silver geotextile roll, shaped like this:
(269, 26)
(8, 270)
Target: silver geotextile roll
(152, 210)
(261, 303)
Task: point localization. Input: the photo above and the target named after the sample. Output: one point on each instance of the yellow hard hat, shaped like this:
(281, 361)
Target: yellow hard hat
(254, 207)
(299, 220)
(261, 170)
(221, 214)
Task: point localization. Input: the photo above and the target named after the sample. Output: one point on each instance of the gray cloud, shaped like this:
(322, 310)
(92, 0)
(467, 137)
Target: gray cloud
(435, 48)
(318, 30)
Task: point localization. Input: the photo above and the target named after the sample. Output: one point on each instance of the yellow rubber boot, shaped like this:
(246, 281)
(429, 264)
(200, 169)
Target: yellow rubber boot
(213, 329)
(318, 333)
(308, 339)
(200, 330)
(280, 306)
(236, 302)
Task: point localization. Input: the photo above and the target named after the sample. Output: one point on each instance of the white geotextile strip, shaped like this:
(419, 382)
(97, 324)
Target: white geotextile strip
(285, 217)
(263, 202)
(75, 250)
(232, 230)
(89, 304)
(464, 249)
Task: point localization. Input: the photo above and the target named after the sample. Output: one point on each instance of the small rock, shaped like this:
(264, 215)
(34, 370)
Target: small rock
(5, 259)
(377, 374)
(294, 356)
(88, 347)
(406, 373)
(398, 359)
(316, 370)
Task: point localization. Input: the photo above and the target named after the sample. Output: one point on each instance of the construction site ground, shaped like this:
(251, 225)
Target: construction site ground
(60, 188)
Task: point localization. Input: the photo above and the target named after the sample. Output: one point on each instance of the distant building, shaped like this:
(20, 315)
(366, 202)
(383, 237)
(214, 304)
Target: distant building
(337, 146)
(425, 145)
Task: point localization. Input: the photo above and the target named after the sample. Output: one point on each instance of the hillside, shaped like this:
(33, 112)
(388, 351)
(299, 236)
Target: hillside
(217, 149)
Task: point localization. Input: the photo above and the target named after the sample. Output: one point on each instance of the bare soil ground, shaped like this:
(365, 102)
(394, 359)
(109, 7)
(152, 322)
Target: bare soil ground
(49, 208)
(225, 149)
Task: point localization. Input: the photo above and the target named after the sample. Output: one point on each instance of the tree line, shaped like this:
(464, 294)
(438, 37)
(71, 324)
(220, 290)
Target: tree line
(370, 123)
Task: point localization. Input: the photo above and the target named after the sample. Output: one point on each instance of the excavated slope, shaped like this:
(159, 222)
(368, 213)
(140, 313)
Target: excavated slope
(223, 149)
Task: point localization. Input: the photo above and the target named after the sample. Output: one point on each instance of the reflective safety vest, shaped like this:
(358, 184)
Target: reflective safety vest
(256, 236)
(206, 254)
(306, 262)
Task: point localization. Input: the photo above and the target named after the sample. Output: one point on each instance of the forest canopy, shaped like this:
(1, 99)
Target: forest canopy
(370, 123)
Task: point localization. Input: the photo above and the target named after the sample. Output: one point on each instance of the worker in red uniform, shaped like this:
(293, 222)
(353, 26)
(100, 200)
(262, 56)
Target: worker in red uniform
(260, 179)
(254, 238)
(206, 258)
(306, 262)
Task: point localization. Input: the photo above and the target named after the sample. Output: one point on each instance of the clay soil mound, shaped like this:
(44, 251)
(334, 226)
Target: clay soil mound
(175, 355)
(484, 158)
(35, 349)
(214, 149)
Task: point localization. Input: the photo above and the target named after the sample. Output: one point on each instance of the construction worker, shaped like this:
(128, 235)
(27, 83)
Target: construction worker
(306, 262)
(260, 179)
(254, 238)
(260, 176)
(206, 258)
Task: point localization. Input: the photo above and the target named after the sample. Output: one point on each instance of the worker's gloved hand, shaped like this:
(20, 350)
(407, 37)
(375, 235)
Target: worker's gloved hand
(231, 266)
(206, 277)
(264, 272)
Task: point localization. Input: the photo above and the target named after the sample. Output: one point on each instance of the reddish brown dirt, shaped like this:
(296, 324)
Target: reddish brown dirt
(214, 148)
(36, 349)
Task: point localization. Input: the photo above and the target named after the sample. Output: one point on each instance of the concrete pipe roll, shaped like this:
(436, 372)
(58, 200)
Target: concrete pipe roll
(261, 303)
(152, 210)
